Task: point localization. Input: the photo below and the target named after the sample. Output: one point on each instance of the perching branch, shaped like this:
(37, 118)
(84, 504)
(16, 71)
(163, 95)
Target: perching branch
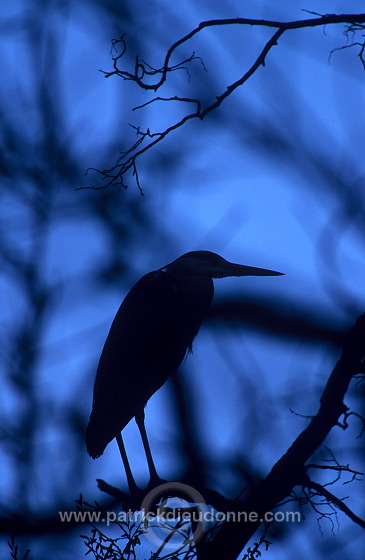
(143, 72)
(290, 470)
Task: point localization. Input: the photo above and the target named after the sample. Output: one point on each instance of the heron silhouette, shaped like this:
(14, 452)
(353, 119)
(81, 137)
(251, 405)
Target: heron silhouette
(151, 333)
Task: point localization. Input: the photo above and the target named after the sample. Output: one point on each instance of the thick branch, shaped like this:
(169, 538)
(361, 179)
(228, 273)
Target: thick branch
(290, 469)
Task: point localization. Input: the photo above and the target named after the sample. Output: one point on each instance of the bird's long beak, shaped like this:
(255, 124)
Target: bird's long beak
(232, 269)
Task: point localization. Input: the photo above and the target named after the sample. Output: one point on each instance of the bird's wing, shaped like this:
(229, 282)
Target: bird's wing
(141, 351)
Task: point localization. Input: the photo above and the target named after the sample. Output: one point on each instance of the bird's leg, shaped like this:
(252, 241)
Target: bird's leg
(128, 471)
(154, 478)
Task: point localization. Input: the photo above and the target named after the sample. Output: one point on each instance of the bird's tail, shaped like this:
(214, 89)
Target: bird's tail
(102, 428)
(97, 436)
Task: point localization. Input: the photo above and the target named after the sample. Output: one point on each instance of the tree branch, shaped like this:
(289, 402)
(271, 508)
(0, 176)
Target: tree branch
(331, 498)
(289, 471)
(143, 72)
(142, 68)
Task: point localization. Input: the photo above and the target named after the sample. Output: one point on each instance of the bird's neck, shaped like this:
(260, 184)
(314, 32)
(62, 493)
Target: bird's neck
(194, 290)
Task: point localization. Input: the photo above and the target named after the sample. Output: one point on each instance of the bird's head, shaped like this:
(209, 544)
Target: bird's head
(205, 263)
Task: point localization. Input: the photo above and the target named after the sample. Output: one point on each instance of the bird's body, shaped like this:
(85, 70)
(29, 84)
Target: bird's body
(149, 337)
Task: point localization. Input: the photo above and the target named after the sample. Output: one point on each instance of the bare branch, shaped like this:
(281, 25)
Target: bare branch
(141, 69)
(143, 72)
(336, 468)
(306, 416)
(174, 98)
(332, 499)
(345, 424)
(322, 507)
